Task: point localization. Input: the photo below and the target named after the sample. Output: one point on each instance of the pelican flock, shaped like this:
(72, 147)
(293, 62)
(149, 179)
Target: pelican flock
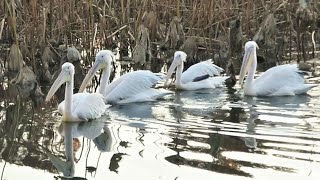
(203, 75)
(137, 86)
(283, 80)
(76, 107)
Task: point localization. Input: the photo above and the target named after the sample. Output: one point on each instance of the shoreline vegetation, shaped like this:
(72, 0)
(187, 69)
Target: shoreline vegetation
(36, 37)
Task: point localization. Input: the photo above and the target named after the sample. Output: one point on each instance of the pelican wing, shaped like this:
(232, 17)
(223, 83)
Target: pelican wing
(86, 105)
(200, 70)
(131, 84)
(150, 94)
(209, 83)
(281, 80)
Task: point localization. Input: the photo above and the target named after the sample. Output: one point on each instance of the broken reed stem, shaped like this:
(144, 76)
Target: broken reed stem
(111, 35)
(123, 12)
(12, 19)
(314, 43)
(95, 34)
(1, 27)
(51, 17)
(91, 21)
(44, 23)
(178, 9)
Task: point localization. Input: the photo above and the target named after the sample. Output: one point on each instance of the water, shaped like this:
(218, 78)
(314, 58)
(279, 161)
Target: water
(203, 134)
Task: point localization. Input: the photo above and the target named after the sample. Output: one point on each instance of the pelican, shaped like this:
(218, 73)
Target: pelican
(283, 80)
(197, 76)
(137, 86)
(76, 107)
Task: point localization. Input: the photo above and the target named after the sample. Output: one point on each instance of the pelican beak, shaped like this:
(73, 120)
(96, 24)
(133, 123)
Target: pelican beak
(246, 63)
(96, 66)
(62, 78)
(170, 72)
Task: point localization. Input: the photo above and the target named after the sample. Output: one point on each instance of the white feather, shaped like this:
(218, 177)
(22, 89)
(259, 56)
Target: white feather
(200, 69)
(209, 83)
(86, 105)
(202, 75)
(146, 95)
(135, 86)
(280, 81)
(283, 80)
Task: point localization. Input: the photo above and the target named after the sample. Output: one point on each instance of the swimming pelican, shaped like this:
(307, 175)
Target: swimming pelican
(283, 80)
(198, 76)
(76, 107)
(137, 86)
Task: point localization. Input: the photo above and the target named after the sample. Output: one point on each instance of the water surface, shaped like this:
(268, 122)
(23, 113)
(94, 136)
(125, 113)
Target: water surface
(201, 134)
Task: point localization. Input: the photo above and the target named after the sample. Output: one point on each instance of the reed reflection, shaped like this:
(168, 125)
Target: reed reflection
(23, 136)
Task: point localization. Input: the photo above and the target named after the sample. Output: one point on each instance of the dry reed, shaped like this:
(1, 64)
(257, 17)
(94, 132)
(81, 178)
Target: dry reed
(92, 25)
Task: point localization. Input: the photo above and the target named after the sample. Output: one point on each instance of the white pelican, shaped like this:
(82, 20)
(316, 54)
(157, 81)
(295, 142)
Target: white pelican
(283, 80)
(76, 107)
(137, 86)
(197, 76)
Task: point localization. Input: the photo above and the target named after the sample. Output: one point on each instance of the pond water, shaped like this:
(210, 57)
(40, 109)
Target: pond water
(203, 134)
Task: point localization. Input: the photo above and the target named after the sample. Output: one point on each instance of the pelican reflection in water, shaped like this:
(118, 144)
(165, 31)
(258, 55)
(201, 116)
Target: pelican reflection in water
(96, 130)
(283, 80)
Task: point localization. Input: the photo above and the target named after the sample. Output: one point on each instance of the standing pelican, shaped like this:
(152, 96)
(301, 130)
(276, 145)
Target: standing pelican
(137, 86)
(283, 80)
(76, 107)
(197, 76)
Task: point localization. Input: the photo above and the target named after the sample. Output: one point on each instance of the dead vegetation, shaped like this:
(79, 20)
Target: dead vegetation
(37, 34)
(142, 51)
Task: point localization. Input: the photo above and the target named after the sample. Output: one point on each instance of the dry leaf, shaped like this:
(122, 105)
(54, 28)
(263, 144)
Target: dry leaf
(15, 60)
(267, 32)
(175, 34)
(141, 52)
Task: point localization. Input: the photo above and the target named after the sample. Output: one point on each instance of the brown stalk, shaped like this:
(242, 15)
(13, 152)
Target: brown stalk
(1, 27)
(178, 9)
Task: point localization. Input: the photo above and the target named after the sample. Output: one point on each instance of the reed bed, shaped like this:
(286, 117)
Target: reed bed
(96, 24)
(43, 29)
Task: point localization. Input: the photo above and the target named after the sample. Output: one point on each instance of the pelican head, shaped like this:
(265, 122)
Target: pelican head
(65, 76)
(179, 58)
(248, 58)
(103, 61)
